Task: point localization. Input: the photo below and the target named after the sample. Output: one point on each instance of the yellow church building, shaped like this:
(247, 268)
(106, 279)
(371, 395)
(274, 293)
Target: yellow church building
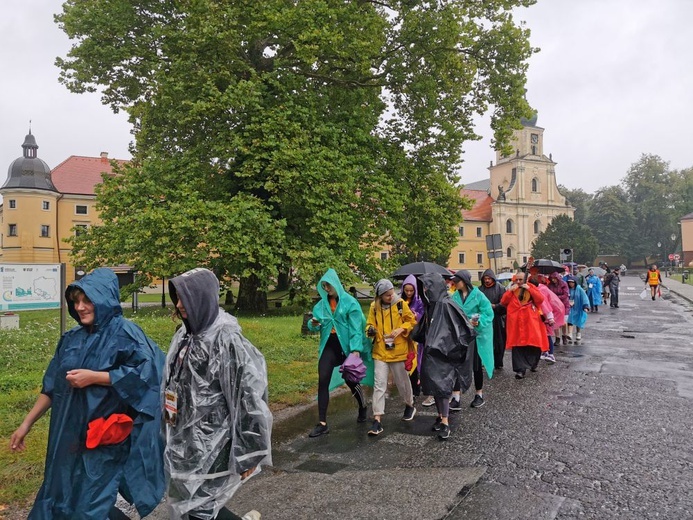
(41, 208)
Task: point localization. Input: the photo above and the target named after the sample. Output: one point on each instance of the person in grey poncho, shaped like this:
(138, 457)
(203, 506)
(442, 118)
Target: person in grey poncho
(218, 423)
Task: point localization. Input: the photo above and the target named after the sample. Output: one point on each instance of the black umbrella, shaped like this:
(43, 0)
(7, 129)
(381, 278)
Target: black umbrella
(546, 266)
(419, 268)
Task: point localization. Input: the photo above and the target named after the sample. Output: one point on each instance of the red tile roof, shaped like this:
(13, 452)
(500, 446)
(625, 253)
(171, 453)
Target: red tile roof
(481, 211)
(78, 175)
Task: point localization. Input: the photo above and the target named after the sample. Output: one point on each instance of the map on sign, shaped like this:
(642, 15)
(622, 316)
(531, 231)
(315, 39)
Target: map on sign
(30, 286)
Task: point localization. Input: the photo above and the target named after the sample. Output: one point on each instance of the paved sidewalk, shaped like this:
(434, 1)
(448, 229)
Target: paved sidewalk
(683, 290)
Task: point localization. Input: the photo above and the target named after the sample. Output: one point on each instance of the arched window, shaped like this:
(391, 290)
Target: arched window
(509, 226)
(537, 227)
(509, 252)
(535, 185)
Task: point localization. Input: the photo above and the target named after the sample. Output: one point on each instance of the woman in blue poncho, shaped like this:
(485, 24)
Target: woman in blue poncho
(103, 389)
(579, 307)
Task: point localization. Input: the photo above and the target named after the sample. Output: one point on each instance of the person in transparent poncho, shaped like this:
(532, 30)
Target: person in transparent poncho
(218, 423)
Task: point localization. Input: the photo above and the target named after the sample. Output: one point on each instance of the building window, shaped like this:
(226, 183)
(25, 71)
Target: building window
(80, 209)
(46, 205)
(460, 258)
(509, 226)
(478, 232)
(480, 258)
(12, 230)
(80, 229)
(537, 227)
(524, 259)
(383, 256)
(509, 252)
(45, 231)
(13, 204)
(535, 185)
(461, 231)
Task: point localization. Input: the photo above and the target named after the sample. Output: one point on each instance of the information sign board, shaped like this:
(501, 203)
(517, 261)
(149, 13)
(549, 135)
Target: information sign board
(30, 286)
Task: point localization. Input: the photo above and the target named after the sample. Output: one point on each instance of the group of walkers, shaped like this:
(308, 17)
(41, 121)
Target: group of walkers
(125, 420)
(435, 342)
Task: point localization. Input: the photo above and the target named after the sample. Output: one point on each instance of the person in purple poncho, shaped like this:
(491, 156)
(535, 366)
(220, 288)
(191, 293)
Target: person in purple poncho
(409, 292)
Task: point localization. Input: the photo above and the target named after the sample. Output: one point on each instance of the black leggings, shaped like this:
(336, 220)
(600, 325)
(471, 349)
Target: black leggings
(333, 356)
(478, 373)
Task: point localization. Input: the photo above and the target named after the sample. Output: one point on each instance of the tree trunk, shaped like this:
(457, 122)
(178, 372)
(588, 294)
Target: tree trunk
(282, 281)
(250, 296)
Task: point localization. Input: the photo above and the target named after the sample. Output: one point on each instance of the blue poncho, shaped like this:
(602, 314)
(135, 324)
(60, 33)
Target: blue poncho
(81, 483)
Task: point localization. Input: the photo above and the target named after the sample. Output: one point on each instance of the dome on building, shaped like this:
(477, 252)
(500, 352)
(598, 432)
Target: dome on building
(532, 121)
(29, 171)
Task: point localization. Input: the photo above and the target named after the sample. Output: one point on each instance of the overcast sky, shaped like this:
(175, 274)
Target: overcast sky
(613, 80)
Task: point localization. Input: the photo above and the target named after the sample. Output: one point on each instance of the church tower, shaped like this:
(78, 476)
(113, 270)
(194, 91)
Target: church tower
(525, 192)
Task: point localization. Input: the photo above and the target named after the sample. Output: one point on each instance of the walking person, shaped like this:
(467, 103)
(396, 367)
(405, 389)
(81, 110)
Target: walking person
(103, 386)
(654, 279)
(558, 286)
(494, 292)
(553, 314)
(389, 323)
(480, 313)
(614, 285)
(409, 292)
(446, 335)
(217, 421)
(579, 307)
(594, 290)
(526, 332)
(342, 325)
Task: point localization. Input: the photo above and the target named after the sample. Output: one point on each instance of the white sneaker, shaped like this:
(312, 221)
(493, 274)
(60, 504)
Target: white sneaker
(251, 515)
(543, 355)
(550, 359)
(578, 336)
(429, 401)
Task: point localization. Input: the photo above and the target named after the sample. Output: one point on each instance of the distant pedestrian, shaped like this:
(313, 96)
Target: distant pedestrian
(494, 292)
(526, 332)
(480, 313)
(579, 307)
(594, 290)
(614, 280)
(342, 325)
(446, 334)
(389, 323)
(654, 278)
(410, 294)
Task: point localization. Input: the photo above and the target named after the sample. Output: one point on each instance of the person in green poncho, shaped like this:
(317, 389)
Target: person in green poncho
(480, 313)
(340, 320)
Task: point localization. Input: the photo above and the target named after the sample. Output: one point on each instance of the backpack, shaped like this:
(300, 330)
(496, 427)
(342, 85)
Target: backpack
(608, 278)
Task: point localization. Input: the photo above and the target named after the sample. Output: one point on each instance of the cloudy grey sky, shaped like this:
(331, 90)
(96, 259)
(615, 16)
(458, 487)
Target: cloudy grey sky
(613, 80)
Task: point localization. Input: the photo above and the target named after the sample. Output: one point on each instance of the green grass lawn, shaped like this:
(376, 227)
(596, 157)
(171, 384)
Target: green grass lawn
(25, 353)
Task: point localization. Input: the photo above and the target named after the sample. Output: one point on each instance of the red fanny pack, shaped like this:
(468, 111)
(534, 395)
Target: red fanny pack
(110, 430)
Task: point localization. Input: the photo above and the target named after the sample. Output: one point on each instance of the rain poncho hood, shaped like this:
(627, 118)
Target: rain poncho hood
(83, 483)
(477, 303)
(348, 322)
(416, 305)
(446, 334)
(223, 425)
(594, 289)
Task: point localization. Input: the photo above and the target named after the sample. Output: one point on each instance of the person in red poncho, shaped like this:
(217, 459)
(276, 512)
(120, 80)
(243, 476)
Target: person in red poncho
(526, 333)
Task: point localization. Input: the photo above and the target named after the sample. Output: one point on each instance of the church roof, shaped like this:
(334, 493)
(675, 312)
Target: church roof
(482, 185)
(29, 171)
(78, 175)
(481, 211)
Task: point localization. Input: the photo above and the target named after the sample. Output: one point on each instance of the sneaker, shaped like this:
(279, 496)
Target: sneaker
(543, 355)
(567, 340)
(444, 432)
(653, 298)
(550, 359)
(363, 414)
(578, 336)
(429, 401)
(455, 405)
(251, 515)
(409, 413)
(376, 428)
(477, 402)
(520, 374)
(437, 425)
(320, 429)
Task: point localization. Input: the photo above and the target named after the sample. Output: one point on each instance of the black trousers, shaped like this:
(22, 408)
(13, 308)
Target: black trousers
(333, 356)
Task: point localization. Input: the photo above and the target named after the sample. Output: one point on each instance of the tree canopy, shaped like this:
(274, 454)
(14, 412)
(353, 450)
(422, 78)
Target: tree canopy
(290, 136)
(564, 232)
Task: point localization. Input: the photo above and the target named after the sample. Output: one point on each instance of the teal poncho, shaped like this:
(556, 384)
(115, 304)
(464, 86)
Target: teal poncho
(477, 303)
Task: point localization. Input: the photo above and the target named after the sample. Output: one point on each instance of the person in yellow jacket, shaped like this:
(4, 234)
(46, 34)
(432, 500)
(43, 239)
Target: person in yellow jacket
(389, 323)
(654, 278)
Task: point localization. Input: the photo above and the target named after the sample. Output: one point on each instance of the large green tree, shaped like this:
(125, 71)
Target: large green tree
(612, 221)
(564, 232)
(580, 200)
(313, 131)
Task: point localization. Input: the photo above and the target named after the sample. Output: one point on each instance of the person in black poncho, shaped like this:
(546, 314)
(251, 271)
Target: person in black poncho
(494, 292)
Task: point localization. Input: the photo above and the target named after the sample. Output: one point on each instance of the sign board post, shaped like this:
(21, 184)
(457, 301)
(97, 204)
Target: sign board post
(494, 249)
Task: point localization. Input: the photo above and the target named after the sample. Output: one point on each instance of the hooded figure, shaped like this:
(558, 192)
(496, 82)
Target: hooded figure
(410, 285)
(594, 290)
(218, 423)
(448, 334)
(494, 292)
(579, 305)
(415, 303)
(82, 479)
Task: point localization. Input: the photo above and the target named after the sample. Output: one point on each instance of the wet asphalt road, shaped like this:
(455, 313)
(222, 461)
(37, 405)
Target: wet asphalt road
(606, 432)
